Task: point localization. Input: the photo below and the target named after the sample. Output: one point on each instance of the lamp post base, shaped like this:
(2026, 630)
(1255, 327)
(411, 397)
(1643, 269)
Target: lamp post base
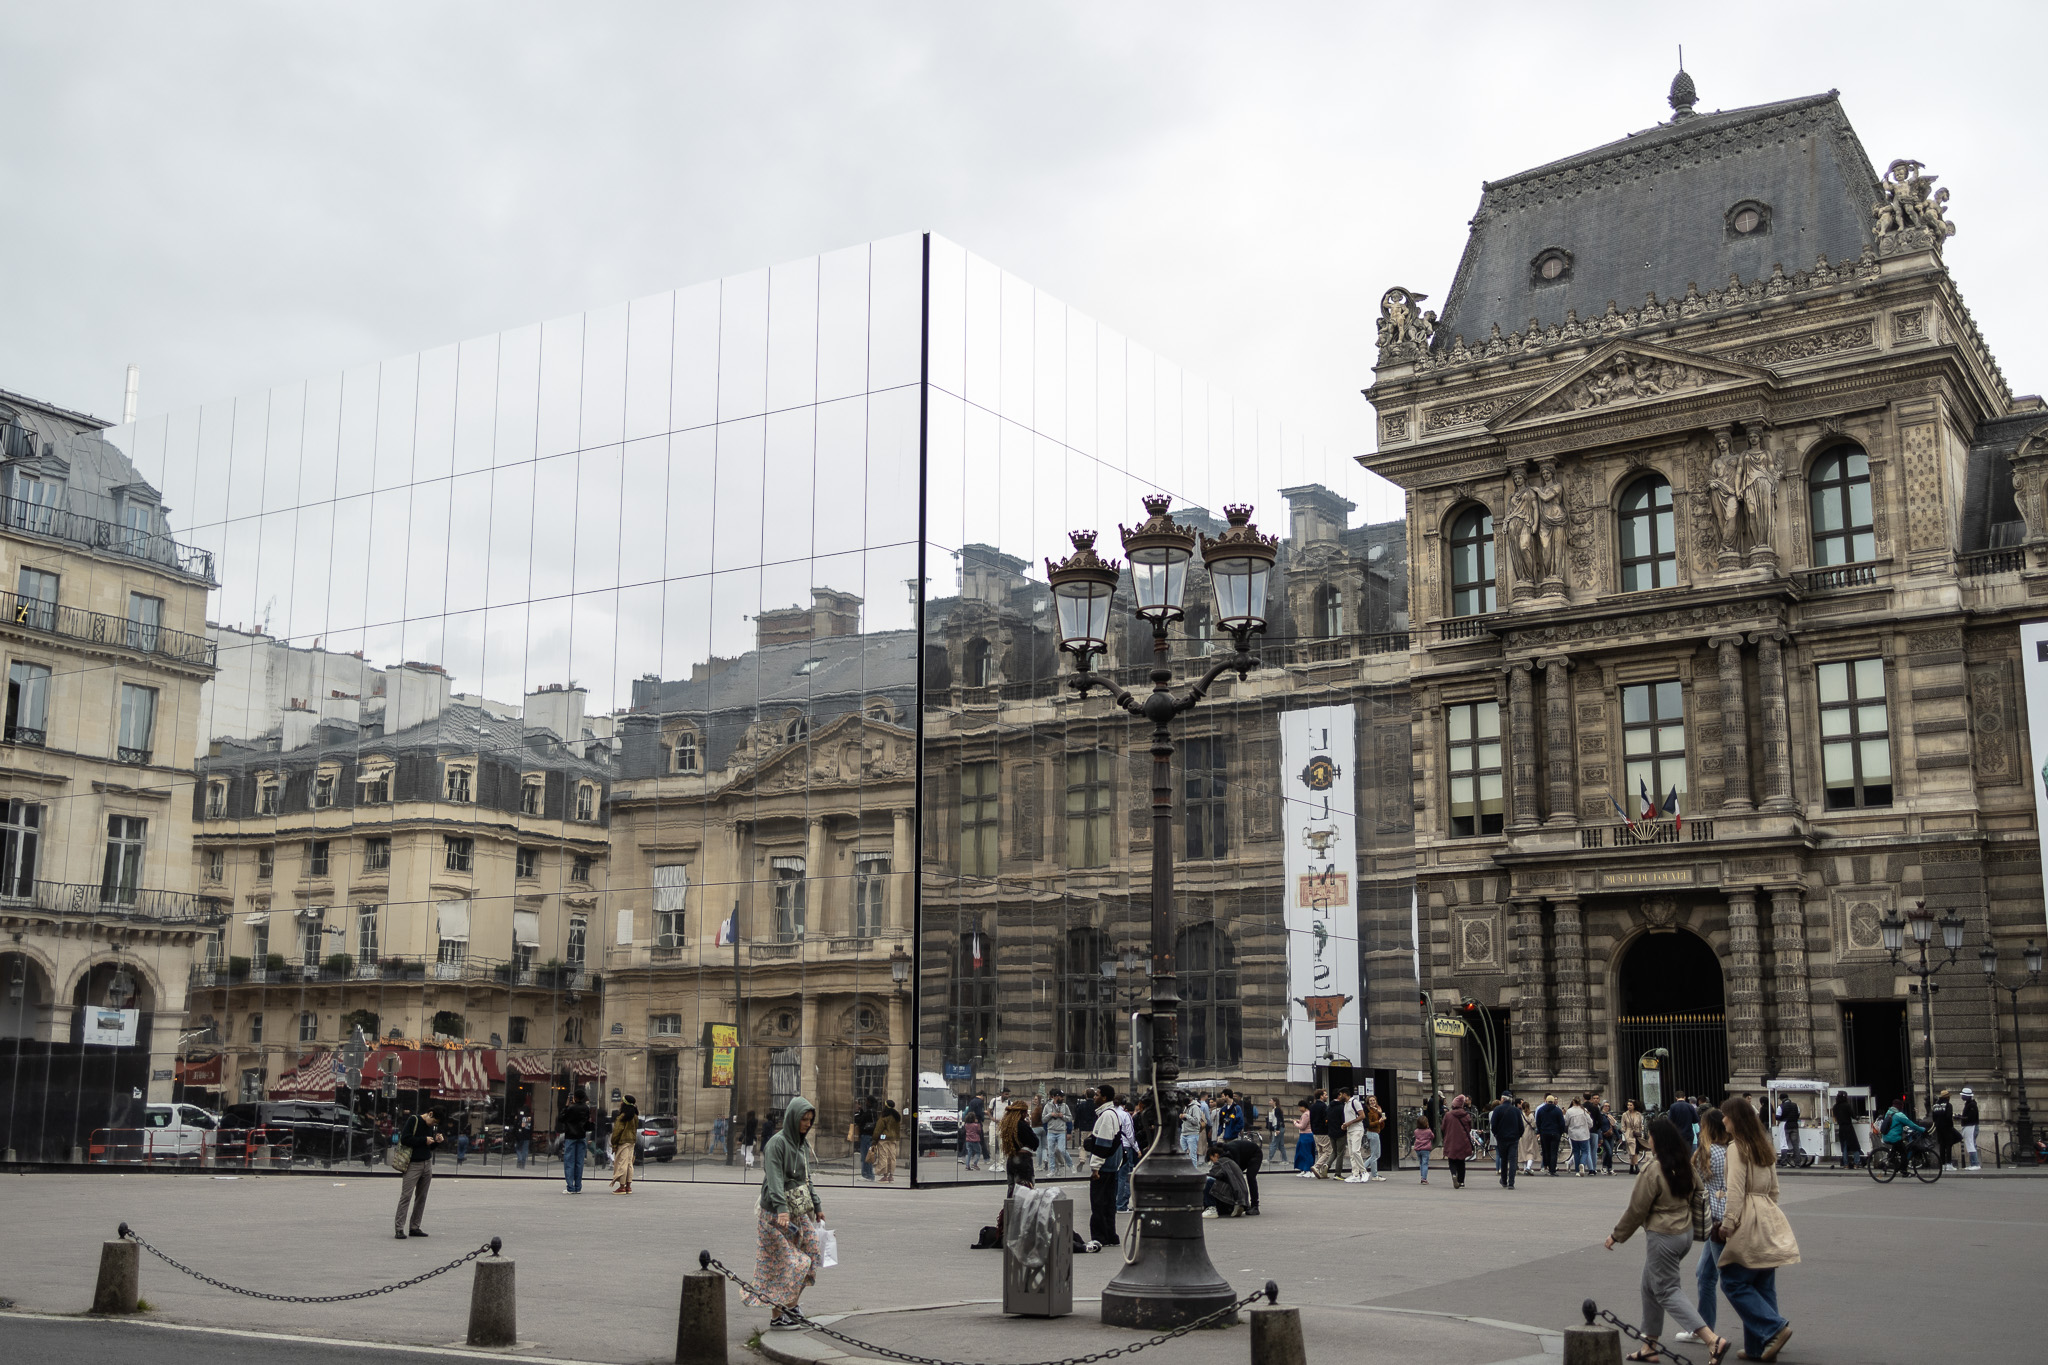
(1171, 1283)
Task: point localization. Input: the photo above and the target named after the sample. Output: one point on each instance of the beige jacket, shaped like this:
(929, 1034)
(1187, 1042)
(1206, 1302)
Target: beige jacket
(1652, 1204)
(1759, 1236)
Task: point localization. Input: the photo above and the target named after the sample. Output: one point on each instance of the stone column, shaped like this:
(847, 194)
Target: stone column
(1521, 747)
(1734, 727)
(1788, 962)
(1569, 974)
(899, 1055)
(1777, 725)
(817, 848)
(903, 863)
(810, 1051)
(1745, 992)
(1562, 765)
(1531, 1056)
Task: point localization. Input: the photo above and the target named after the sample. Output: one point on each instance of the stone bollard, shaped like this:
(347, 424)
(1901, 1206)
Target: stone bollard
(700, 1327)
(1591, 1345)
(120, 1277)
(1276, 1332)
(493, 1314)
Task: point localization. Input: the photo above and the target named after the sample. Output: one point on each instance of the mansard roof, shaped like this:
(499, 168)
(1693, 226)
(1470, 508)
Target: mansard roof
(1651, 213)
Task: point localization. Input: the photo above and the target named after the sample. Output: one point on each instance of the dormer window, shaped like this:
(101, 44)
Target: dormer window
(586, 801)
(216, 798)
(266, 793)
(980, 663)
(1553, 265)
(376, 785)
(532, 791)
(797, 730)
(683, 752)
(459, 785)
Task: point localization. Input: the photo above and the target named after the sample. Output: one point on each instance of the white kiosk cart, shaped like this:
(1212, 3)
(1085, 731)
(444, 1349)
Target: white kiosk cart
(1814, 1122)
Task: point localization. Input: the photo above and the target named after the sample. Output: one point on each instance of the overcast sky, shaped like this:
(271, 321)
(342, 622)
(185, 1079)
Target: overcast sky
(236, 195)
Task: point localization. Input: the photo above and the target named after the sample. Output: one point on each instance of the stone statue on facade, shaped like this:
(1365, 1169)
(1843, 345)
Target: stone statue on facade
(1759, 484)
(1724, 491)
(1910, 213)
(1404, 330)
(1518, 528)
(1550, 530)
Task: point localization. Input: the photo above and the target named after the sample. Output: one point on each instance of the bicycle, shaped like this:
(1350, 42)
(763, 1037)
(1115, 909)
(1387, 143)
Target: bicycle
(1917, 1156)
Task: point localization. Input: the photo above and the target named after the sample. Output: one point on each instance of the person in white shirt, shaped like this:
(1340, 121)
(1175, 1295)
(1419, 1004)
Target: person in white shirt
(1354, 1138)
(995, 1128)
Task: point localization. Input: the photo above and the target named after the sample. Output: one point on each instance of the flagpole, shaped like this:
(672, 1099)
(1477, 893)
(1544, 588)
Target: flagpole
(739, 1042)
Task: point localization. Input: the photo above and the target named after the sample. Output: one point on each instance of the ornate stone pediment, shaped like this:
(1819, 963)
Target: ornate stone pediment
(1622, 374)
(852, 749)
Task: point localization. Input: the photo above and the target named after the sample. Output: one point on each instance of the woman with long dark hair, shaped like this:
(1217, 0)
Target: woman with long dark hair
(1661, 1205)
(1755, 1235)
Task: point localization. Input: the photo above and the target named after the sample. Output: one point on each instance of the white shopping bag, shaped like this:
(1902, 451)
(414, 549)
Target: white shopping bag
(828, 1240)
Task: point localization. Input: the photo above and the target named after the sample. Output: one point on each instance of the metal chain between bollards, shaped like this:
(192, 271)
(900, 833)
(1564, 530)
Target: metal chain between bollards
(1593, 1310)
(1271, 1293)
(493, 1247)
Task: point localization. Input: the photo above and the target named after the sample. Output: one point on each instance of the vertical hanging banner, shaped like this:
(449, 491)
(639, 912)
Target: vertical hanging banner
(2034, 682)
(1319, 828)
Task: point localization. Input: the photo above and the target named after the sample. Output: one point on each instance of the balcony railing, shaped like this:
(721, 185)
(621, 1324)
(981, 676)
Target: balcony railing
(117, 902)
(72, 623)
(1841, 576)
(2004, 559)
(341, 968)
(40, 519)
(1645, 832)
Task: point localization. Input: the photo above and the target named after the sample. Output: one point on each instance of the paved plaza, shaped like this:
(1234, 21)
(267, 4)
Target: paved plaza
(1390, 1272)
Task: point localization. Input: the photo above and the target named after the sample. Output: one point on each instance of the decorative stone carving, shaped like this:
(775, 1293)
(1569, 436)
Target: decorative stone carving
(1470, 412)
(1404, 330)
(1394, 426)
(1909, 324)
(1478, 939)
(1759, 492)
(1995, 753)
(1910, 214)
(1550, 526)
(1806, 346)
(1724, 497)
(1855, 912)
(1625, 379)
(1659, 913)
(1518, 530)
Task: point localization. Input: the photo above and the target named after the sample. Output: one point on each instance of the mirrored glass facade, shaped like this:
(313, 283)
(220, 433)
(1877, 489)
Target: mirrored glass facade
(664, 702)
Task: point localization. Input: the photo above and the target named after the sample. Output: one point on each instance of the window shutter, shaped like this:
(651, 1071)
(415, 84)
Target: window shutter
(452, 920)
(671, 887)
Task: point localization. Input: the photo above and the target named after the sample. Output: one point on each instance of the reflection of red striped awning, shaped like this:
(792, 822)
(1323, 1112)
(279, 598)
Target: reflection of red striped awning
(451, 1074)
(312, 1079)
(199, 1071)
(528, 1066)
(586, 1070)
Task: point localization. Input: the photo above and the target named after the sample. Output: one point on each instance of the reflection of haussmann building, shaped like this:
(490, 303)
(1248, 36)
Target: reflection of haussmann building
(1711, 479)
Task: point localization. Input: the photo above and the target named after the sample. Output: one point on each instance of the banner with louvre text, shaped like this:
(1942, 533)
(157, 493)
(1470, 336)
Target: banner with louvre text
(2034, 678)
(1324, 1008)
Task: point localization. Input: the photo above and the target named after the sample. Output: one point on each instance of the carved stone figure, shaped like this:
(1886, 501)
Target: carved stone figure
(1624, 379)
(1724, 491)
(1909, 203)
(1518, 526)
(1404, 330)
(1759, 490)
(1550, 515)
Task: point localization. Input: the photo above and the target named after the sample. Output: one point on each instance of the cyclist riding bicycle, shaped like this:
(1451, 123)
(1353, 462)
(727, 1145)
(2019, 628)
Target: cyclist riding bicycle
(1899, 1130)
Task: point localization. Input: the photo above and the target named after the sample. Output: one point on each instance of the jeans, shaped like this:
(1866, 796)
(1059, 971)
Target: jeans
(1125, 1160)
(1753, 1294)
(1372, 1154)
(572, 1164)
(867, 1169)
(525, 1150)
(1056, 1158)
(1422, 1160)
(461, 1148)
(1708, 1277)
(1582, 1154)
(1277, 1152)
(1191, 1143)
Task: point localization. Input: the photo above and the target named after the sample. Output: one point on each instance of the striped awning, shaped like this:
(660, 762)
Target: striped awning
(314, 1078)
(528, 1066)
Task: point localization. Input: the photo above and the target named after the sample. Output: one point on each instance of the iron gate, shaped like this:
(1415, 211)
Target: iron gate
(1698, 1044)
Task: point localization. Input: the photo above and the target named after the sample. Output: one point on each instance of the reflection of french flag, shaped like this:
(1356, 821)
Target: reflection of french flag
(729, 929)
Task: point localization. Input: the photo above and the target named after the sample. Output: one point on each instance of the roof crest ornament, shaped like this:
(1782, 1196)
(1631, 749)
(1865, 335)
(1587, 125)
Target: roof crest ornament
(1684, 94)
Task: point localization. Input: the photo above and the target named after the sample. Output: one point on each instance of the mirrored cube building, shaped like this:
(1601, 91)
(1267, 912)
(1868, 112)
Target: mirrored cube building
(664, 702)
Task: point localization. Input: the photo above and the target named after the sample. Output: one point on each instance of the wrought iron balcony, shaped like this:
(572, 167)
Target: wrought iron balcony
(40, 519)
(72, 623)
(115, 902)
(342, 968)
(1645, 832)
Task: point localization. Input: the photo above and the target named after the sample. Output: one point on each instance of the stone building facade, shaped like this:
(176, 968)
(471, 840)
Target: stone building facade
(102, 623)
(1710, 480)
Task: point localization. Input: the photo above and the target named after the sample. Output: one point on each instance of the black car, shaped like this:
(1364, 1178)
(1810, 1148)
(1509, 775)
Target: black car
(294, 1131)
(656, 1138)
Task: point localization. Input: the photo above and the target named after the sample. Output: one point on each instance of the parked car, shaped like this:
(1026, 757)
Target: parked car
(180, 1132)
(297, 1131)
(657, 1138)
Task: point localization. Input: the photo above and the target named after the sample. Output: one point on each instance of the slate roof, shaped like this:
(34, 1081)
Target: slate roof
(459, 729)
(1649, 212)
(1988, 503)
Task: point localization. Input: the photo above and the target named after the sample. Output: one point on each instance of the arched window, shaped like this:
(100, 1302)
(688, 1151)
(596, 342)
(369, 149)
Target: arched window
(683, 754)
(1649, 552)
(797, 731)
(1329, 611)
(1839, 489)
(980, 663)
(1087, 1018)
(1472, 571)
(1211, 1021)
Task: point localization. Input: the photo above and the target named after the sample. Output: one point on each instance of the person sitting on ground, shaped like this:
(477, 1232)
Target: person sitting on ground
(1250, 1158)
(1225, 1193)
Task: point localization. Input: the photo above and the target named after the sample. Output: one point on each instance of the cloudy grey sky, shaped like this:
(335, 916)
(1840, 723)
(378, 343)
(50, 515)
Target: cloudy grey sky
(236, 195)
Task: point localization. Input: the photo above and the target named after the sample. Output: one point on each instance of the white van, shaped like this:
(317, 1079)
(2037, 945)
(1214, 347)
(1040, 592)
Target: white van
(177, 1132)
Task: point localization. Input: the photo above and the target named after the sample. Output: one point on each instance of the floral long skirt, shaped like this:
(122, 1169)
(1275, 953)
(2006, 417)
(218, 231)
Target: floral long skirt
(788, 1258)
(622, 1168)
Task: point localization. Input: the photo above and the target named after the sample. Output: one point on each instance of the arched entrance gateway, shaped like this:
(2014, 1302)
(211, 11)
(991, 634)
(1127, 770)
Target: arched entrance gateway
(1668, 986)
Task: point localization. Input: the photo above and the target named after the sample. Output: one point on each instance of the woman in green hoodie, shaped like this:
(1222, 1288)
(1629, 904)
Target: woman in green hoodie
(789, 1217)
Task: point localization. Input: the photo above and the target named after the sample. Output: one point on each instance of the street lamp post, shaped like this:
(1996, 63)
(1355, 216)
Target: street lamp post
(1168, 1280)
(2022, 1118)
(1921, 921)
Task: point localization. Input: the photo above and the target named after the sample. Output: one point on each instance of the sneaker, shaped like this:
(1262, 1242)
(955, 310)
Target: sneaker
(1208, 1213)
(1251, 1213)
(1379, 1177)
(1094, 1245)
(1687, 1336)
(1306, 1175)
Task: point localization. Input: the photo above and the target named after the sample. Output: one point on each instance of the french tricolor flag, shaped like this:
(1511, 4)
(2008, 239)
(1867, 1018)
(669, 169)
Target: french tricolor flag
(729, 929)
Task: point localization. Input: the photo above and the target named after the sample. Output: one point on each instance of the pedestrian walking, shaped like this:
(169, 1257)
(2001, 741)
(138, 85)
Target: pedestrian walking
(1844, 1114)
(1059, 1117)
(1685, 1116)
(575, 1128)
(1192, 1122)
(1578, 1130)
(970, 1143)
(1375, 1125)
(1969, 1132)
(1756, 1238)
(992, 1126)
(1276, 1130)
(1304, 1142)
(1458, 1139)
(1509, 1127)
(1550, 1131)
(1424, 1138)
(1710, 1164)
(1661, 1205)
(1532, 1143)
(888, 1132)
(1127, 1160)
(625, 1146)
(1320, 1126)
(750, 1136)
(787, 1218)
(522, 1136)
(420, 1136)
(1633, 1134)
(864, 1120)
(1352, 1108)
(1100, 1150)
(1941, 1117)
(1605, 1135)
(1021, 1142)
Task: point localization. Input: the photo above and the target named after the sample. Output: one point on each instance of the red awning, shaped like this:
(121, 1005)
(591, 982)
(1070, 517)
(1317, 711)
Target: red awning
(531, 1067)
(453, 1074)
(587, 1070)
(200, 1071)
(313, 1079)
